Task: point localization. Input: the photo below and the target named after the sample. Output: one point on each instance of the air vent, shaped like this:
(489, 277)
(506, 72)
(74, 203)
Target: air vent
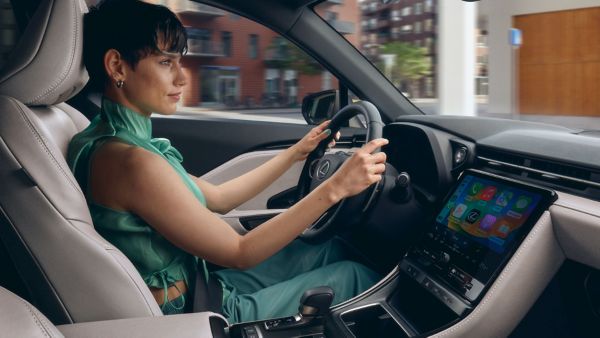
(567, 177)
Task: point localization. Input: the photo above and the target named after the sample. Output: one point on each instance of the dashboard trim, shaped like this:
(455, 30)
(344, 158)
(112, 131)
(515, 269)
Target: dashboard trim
(537, 171)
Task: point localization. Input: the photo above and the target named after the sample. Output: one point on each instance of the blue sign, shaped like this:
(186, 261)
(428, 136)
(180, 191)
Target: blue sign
(515, 37)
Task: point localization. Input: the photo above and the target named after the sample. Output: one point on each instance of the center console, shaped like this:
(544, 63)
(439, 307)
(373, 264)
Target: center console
(481, 223)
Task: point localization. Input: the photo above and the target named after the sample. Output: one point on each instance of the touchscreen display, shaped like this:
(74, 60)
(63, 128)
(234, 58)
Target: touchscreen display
(488, 212)
(483, 219)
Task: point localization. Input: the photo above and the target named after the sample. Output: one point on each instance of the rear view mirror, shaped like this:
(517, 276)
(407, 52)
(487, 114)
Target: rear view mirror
(321, 106)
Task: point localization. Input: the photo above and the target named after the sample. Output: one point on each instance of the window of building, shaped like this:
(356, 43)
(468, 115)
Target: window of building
(373, 6)
(373, 38)
(418, 8)
(395, 15)
(428, 6)
(200, 41)
(429, 45)
(429, 87)
(418, 27)
(372, 23)
(406, 29)
(406, 11)
(226, 41)
(428, 25)
(253, 46)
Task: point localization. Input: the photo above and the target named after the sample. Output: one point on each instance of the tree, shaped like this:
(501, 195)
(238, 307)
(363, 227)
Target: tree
(409, 63)
(286, 55)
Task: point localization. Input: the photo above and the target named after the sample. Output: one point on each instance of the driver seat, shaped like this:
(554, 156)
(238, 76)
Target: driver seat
(71, 273)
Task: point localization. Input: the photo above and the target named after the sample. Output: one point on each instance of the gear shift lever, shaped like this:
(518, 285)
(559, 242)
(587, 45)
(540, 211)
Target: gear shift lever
(314, 303)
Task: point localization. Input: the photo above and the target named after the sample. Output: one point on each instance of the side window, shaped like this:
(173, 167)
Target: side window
(235, 65)
(9, 30)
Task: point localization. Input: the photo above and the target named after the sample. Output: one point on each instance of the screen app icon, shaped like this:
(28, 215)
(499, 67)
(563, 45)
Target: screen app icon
(487, 222)
(475, 188)
(504, 229)
(488, 193)
(504, 198)
(522, 203)
(459, 210)
(473, 216)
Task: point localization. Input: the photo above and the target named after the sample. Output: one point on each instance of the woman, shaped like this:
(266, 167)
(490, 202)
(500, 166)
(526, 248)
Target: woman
(144, 202)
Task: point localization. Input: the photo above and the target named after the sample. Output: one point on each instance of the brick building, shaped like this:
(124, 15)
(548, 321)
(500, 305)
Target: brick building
(235, 62)
(411, 21)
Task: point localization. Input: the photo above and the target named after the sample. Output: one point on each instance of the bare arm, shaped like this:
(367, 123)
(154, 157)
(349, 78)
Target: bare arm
(229, 195)
(171, 208)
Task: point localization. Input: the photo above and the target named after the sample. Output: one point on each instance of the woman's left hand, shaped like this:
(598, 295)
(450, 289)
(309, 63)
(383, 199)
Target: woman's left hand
(310, 141)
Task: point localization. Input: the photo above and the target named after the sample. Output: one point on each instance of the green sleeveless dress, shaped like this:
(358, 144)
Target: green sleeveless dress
(268, 290)
(159, 262)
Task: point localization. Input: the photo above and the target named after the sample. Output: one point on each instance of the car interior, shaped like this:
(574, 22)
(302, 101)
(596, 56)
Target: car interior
(481, 227)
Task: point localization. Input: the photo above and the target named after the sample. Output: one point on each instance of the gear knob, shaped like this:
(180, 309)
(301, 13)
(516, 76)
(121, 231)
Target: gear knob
(316, 301)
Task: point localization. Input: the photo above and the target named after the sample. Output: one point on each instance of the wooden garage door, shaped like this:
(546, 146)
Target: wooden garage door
(559, 63)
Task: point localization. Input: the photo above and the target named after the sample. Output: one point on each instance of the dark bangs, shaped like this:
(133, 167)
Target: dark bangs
(163, 32)
(171, 36)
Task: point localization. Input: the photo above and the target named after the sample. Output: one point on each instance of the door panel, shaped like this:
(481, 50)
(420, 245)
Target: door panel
(246, 162)
(207, 142)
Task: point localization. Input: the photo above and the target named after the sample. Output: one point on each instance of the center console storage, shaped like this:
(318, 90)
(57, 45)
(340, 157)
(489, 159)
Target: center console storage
(372, 321)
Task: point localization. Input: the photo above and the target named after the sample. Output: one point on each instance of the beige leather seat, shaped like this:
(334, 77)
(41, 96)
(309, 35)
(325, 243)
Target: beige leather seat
(72, 273)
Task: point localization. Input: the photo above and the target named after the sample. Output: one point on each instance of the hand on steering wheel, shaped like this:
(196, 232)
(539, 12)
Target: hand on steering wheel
(358, 179)
(361, 170)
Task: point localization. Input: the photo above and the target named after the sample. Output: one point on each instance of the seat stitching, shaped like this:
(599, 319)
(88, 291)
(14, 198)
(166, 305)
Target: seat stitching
(36, 319)
(71, 59)
(42, 141)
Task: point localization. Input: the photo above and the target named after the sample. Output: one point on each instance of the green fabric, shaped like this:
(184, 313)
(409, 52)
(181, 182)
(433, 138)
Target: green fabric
(158, 261)
(274, 287)
(271, 289)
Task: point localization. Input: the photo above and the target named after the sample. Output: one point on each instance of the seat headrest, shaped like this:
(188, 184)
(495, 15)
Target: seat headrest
(46, 66)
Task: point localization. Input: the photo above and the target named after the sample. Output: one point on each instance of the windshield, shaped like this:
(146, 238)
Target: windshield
(516, 59)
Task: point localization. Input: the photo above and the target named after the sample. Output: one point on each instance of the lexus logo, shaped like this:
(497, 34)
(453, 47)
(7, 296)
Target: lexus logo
(323, 170)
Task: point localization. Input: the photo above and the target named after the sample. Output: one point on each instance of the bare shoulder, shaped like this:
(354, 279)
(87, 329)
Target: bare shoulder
(120, 172)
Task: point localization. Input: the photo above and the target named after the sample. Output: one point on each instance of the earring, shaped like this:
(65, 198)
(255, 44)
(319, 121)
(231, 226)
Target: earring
(120, 83)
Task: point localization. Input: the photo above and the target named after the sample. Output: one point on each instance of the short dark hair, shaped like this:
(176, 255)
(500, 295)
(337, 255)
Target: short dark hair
(133, 28)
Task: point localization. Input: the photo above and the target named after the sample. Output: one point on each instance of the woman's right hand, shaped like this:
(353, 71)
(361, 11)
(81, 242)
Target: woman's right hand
(361, 170)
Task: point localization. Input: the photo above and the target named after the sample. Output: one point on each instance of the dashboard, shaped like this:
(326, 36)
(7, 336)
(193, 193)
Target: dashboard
(509, 201)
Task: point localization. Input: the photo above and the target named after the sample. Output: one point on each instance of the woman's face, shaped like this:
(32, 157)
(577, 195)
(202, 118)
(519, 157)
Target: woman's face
(155, 85)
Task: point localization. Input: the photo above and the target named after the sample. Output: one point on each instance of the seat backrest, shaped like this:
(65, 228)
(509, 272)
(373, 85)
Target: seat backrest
(71, 272)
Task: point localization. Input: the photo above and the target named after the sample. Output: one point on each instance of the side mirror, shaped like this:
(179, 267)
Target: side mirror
(321, 106)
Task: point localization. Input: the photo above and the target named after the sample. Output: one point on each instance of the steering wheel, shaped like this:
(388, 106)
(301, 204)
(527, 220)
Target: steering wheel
(319, 166)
